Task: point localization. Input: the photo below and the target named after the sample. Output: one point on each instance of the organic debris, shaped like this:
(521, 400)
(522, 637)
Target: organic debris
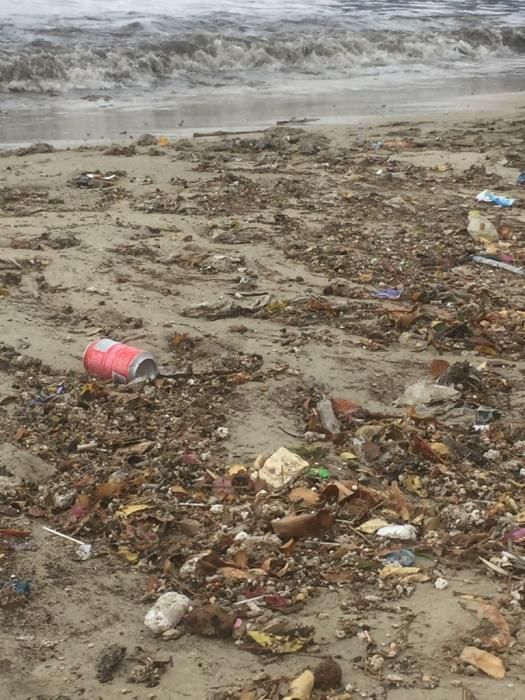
(328, 675)
(484, 661)
(108, 660)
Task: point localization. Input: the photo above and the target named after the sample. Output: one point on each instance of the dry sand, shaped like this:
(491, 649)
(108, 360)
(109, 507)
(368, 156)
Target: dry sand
(77, 263)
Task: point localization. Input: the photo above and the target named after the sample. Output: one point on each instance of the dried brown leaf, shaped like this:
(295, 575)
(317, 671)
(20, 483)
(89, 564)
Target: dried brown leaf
(240, 559)
(484, 349)
(483, 661)
(305, 525)
(109, 489)
(339, 491)
(438, 368)
(501, 638)
(304, 495)
(230, 572)
(337, 576)
(345, 407)
(288, 547)
(400, 502)
(405, 319)
(370, 451)
(423, 449)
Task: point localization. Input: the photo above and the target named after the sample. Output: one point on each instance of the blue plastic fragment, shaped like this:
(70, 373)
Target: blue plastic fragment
(520, 180)
(41, 400)
(405, 557)
(491, 198)
(21, 586)
(17, 585)
(388, 293)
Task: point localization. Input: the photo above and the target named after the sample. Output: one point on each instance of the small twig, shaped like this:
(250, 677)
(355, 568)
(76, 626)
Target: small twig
(298, 437)
(206, 134)
(364, 537)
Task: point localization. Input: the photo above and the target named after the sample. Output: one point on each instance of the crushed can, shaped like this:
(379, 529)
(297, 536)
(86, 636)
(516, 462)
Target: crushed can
(108, 359)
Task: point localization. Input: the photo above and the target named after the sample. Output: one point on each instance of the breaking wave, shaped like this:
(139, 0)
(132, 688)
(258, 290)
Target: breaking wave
(132, 58)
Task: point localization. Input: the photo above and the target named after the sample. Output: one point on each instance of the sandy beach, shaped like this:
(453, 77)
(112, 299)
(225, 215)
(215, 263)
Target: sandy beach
(255, 266)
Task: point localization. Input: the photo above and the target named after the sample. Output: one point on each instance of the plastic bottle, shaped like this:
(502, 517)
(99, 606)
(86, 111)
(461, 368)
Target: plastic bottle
(480, 228)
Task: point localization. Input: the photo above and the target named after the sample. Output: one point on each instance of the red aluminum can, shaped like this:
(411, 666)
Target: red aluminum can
(108, 359)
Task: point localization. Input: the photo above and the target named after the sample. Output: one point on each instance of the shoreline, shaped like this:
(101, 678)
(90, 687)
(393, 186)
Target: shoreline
(70, 128)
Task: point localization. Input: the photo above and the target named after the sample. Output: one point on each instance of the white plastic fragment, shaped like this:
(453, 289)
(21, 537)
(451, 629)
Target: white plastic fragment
(440, 584)
(281, 468)
(398, 532)
(83, 550)
(167, 612)
(424, 392)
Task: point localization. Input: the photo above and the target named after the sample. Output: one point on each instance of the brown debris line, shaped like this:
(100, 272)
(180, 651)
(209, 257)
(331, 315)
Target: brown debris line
(128, 490)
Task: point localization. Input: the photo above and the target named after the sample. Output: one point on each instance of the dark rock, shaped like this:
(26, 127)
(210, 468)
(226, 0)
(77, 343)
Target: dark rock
(108, 660)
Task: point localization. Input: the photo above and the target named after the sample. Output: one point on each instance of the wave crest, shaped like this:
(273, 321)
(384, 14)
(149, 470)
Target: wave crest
(197, 58)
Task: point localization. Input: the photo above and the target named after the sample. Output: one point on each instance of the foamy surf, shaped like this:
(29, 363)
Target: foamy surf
(104, 52)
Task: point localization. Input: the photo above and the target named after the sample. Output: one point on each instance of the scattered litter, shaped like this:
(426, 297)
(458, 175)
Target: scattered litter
(41, 400)
(301, 687)
(281, 468)
(480, 228)
(486, 415)
(319, 473)
(388, 293)
(97, 179)
(362, 295)
(294, 641)
(440, 584)
(14, 593)
(424, 392)
(327, 417)
(167, 612)
(491, 198)
(83, 550)
(404, 557)
(109, 359)
(398, 532)
(498, 264)
(515, 536)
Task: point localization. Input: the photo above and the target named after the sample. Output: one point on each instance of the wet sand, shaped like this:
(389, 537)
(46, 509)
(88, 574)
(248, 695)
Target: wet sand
(106, 116)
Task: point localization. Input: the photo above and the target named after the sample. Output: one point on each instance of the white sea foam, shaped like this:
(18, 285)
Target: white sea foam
(133, 59)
